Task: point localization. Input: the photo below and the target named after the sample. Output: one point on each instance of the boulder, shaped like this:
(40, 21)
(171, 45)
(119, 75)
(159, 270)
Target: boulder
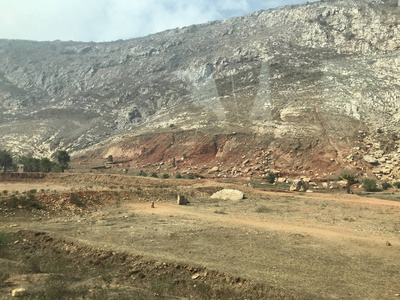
(18, 292)
(212, 170)
(228, 194)
(370, 159)
(299, 185)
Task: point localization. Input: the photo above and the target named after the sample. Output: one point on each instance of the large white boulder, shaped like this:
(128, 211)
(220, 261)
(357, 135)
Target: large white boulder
(228, 194)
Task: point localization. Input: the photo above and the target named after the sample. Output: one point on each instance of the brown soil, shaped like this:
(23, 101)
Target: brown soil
(238, 155)
(270, 245)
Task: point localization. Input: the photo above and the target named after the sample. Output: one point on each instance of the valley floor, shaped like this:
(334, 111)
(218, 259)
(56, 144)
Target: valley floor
(270, 245)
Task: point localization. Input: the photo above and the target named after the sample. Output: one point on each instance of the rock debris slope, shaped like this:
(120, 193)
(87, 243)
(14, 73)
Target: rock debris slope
(318, 81)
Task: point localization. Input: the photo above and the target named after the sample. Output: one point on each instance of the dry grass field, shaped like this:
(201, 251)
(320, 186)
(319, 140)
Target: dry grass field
(95, 239)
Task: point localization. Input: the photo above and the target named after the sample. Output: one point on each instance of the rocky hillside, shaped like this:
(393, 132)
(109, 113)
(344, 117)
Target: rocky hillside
(317, 86)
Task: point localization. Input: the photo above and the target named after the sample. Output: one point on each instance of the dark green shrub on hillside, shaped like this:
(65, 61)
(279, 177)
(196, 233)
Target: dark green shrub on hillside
(397, 184)
(165, 176)
(270, 178)
(386, 185)
(369, 185)
(154, 174)
(178, 176)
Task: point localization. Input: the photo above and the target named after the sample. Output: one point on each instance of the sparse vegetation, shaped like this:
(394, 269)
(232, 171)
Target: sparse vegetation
(350, 180)
(63, 159)
(397, 184)
(154, 174)
(386, 185)
(369, 185)
(143, 174)
(191, 176)
(5, 160)
(45, 165)
(76, 200)
(263, 209)
(165, 176)
(25, 200)
(178, 176)
(4, 241)
(270, 178)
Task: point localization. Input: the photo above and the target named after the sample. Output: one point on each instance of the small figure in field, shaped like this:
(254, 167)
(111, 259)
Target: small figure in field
(152, 205)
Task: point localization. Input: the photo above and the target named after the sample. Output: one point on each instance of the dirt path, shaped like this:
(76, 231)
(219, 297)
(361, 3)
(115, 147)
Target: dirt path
(329, 234)
(21, 187)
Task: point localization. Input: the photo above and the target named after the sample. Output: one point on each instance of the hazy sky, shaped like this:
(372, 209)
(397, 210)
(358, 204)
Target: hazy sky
(107, 20)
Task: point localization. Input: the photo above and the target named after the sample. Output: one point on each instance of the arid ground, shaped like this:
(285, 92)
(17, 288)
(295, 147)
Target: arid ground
(88, 236)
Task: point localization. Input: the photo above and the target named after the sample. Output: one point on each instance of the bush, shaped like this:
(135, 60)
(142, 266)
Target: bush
(397, 184)
(178, 176)
(154, 174)
(270, 178)
(191, 177)
(142, 174)
(76, 200)
(369, 185)
(350, 180)
(27, 201)
(386, 185)
(165, 176)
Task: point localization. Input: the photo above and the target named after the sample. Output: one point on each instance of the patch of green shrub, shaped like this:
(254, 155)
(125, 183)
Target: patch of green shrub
(369, 185)
(142, 174)
(154, 174)
(270, 178)
(178, 176)
(397, 184)
(386, 185)
(26, 200)
(165, 176)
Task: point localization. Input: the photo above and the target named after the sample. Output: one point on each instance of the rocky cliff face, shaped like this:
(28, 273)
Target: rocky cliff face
(309, 82)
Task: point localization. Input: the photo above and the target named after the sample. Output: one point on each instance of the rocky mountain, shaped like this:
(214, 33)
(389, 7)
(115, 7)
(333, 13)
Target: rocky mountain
(310, 88)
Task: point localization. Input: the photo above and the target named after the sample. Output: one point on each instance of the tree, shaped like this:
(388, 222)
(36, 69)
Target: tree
(45, 165)
(30, 164)
(5, 159)
(350, 180)
(270, 178)
(63, 159)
